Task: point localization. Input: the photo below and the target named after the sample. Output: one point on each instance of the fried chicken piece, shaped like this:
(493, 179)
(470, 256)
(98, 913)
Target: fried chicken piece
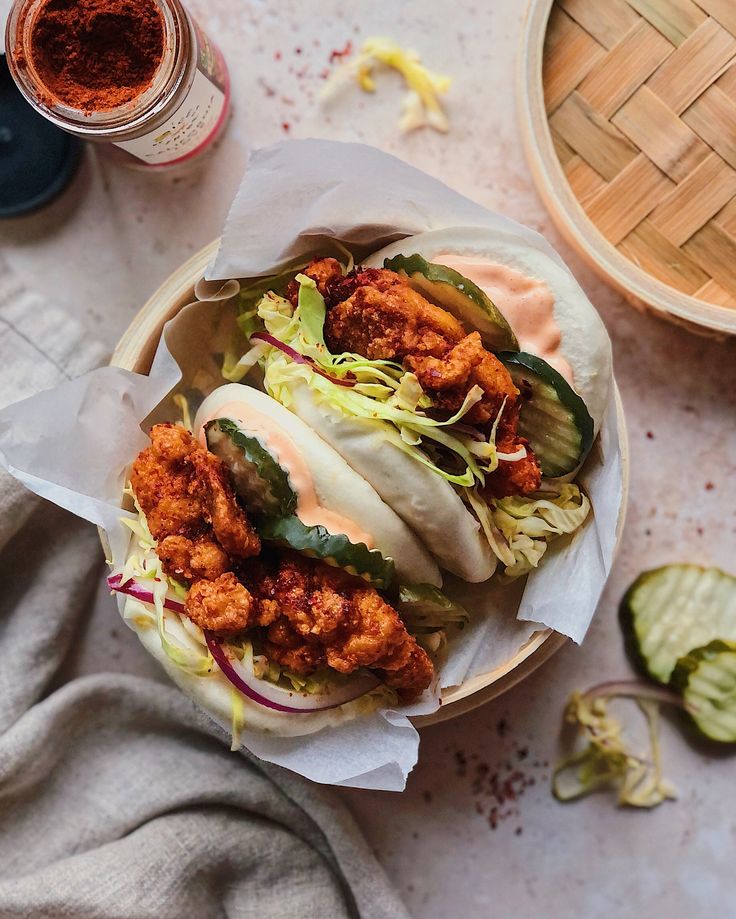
(520, 477)
(306, 593)
(286, 647)
(413, 677)
(222, 605)
(232, 528)
(385, 318)
(192, 559)
(376, 313)
(372, 635)
(448, 379)
(185, 492)
(326, 616)
(325, 271)
(164, 486)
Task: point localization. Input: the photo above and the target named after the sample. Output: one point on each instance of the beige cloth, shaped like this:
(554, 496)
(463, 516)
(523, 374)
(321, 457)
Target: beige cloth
(118, 798)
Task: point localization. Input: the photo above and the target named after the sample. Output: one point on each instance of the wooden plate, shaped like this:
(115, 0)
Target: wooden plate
(135, 352)
(628, 112)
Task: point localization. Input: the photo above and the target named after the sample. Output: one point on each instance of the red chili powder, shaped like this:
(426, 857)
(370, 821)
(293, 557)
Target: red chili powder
(94, 55)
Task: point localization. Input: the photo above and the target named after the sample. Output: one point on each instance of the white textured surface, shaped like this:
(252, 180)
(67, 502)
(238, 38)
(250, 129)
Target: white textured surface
(115, 235)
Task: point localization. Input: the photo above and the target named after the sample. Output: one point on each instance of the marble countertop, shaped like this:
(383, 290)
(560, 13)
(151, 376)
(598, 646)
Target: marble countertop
(477, 830)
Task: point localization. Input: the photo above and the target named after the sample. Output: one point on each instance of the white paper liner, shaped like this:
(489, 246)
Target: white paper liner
(74, 444)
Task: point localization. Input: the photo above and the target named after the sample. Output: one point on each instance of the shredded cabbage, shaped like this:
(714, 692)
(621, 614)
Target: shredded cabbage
(421, 105)
(606, 760)
(521, 528)
(238, 719)
(428, 614)
(180, 401)
(184, 646)
(424, 608)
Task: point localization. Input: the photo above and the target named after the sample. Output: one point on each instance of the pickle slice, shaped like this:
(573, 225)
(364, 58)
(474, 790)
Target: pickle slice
(672, 609)
(706, 677)
(459, 296)
(334, 549)
(553, 417)
(258, 479)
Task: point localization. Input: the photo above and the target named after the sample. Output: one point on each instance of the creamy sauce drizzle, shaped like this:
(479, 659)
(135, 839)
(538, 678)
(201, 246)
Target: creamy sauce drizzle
(286, 453)
(527, 304)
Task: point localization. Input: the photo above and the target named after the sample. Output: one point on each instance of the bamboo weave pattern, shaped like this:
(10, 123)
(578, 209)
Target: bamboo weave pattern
(641, 102)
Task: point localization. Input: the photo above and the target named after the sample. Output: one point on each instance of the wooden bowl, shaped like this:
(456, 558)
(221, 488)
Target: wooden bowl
(628, 113)
(135, 352)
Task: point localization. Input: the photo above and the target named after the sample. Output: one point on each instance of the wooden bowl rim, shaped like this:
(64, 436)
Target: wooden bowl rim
(565, 209)
(135, 352)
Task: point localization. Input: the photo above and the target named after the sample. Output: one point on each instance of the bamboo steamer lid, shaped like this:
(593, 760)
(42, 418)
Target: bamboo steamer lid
(135, 351)
(629, 120)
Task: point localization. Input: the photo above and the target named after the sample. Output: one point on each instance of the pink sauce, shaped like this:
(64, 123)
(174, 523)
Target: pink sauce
(283, 448)
(527, 304)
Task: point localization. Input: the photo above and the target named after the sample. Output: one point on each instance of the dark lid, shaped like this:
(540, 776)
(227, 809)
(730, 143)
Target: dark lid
(37, 159)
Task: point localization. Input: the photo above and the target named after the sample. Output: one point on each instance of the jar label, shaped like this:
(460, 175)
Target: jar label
(188, 130)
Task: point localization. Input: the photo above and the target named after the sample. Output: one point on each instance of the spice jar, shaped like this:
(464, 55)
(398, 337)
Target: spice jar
(137, 74)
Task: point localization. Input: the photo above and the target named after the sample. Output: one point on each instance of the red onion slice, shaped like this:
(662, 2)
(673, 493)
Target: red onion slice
(274, 697)
(299, 358)
(140, 591)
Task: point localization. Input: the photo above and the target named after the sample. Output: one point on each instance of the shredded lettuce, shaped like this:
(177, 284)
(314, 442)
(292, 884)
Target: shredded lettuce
(606, 760)
(235, 365)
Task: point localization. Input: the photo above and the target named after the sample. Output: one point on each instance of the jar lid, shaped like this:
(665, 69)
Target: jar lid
(37, 159)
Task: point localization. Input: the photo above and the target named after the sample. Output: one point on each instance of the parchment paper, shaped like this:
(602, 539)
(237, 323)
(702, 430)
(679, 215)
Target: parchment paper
(73, 445)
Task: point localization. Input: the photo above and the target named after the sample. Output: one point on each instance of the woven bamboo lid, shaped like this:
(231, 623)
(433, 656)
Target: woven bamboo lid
(629, 110)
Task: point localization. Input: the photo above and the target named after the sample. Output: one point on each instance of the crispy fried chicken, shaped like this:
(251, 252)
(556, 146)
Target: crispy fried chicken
(376, 313)
(323, 617)
(328, 617)
(185, 491)
(222, 605)
(313, 616)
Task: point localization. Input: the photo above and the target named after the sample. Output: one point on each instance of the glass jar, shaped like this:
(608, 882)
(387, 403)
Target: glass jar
(178, 116)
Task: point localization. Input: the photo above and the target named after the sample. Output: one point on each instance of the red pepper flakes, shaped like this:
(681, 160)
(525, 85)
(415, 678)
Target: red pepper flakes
(496, 787)
(337, 54)
(285, 126)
